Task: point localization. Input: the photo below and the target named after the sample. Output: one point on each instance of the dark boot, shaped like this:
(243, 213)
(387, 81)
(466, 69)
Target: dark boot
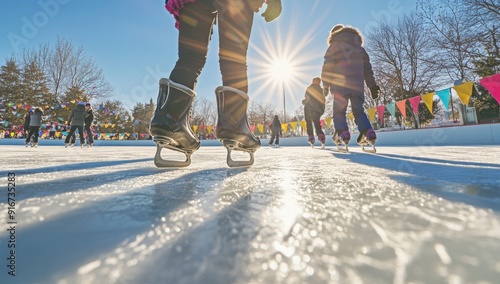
(170, 125)
(232, 124)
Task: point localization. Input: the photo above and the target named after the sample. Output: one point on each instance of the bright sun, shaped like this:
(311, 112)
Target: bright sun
(281, 69)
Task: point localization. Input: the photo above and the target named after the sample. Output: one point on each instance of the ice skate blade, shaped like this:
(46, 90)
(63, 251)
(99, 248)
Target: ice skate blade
(372, 150)
(162, 163)
(234, 145)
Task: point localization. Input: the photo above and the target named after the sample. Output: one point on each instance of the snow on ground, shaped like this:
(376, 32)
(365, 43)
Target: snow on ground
(299, 215)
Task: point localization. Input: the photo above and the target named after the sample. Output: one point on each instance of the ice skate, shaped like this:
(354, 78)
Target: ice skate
(34, 145)
(27, 144)
(341, 138)
(311, 140)
(232, 125)
(170, 125)
(322, 140)
(66, 145)
(367, 138)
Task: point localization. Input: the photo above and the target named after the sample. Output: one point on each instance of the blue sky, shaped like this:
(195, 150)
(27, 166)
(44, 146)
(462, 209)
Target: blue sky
(135, 42)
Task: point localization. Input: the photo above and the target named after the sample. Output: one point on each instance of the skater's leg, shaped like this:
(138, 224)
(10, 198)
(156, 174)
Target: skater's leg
(193, 42)
(235, 20)
(271, 141)
(80, 132)
(36, 134)
(30, 133)
(277, 139)
(90, 136)
(71, 132)
(360, 117)
(339, 111)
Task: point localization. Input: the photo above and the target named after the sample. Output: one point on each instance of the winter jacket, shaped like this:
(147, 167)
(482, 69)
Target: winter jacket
(347, 65)
(276, 127)
(174, 7)
(314, 100)
(77, 116)
(27, 121)
(89, 117)
(36, 118)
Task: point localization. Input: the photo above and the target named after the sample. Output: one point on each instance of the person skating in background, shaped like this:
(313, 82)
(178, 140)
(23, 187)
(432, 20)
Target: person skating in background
(275, 131)
(314, 107)
(34, 127)
(195, 19)
(26, 124)
(76, 120)
(89, 118)
(345, 70)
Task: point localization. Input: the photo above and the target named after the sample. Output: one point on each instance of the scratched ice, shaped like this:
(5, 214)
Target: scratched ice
(299, 215)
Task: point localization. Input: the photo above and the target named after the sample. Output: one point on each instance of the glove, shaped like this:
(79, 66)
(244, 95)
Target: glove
(326, 91)
(273, 10)
(375, 90)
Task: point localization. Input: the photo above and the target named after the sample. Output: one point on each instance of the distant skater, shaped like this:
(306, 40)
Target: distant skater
(76, 120)
(34, 127)
(314, 107)
(276, 131)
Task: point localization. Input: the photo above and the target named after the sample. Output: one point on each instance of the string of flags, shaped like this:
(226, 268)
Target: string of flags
(464, 92)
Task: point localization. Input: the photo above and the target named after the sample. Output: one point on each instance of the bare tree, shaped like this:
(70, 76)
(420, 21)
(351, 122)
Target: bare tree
(453, 32)
(402, 58)
(84, 73)
(204, 112)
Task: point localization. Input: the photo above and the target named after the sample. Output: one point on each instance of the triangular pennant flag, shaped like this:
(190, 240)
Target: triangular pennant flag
(260, 127)
(350, 116)
(428, 100)
(293, 124)
(380, 111)
(322, 123)
(464, 91)
(303, 125)
(195, 128)
(391, 108)
(492, 84)
(414, 103)
(444, 96)
(371, 113)
(402, 107)
(284, 126)
(209, 128)
(252, 128)
(328, 121)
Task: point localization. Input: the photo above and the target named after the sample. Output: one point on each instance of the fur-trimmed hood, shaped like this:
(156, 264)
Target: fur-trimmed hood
(342, 33)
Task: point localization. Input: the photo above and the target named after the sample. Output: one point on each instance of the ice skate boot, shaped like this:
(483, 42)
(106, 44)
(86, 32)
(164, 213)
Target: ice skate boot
(66, 145)
(170, 125)
(232, 124)
(34, 145)
(322, 140)
(341, 138)
(367, 138)
(311, 140)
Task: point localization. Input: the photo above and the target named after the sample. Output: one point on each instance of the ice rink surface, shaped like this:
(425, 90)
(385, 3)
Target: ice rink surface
(299, 215)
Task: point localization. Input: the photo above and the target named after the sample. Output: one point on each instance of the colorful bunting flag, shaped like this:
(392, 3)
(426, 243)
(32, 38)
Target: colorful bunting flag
(444, 96)
(428, 100)
(464, 91)
(371, 113)
(294, 125)
(391, 108)
(260, 127)
(303, 124)
(328, 121)
(492, 84)
(414, 104)
(284, 126)
(351, 116)
(380, 111)
(402, 107)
